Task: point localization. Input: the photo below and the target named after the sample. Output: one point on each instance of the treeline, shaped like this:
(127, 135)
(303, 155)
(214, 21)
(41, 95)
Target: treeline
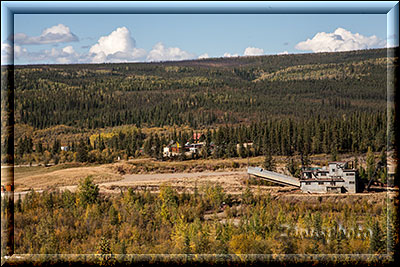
(352, 134)
(203, 92)
(86, 222)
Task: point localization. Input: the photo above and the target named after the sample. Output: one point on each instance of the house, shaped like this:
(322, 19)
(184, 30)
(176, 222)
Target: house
(188, 149)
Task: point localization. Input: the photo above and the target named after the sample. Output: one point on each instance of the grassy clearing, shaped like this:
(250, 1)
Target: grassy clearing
(23, 171)
(40, 177)
(61, 175)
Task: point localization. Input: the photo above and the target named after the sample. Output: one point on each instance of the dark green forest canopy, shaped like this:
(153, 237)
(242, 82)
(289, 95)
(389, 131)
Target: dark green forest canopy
(202, 93)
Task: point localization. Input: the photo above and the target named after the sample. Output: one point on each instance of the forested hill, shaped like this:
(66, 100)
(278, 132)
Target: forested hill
(203, 92)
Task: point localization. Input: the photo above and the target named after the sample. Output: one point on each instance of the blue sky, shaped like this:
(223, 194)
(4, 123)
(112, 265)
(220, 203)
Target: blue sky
(73, 38)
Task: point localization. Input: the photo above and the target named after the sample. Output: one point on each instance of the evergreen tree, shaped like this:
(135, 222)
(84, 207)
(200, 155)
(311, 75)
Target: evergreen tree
(334, 153)
(376, 243)
(242, 151)
(292, 167)
(305, 160)
(21, 147)
(56, 147)
(148, 144)
(370, 160)
(82, 152)
(269, 162)
(114, 220)
(317, 221)
(88, 192)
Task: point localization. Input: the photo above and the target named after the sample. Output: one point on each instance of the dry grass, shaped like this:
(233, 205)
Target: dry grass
(62, 175)
(41, 178)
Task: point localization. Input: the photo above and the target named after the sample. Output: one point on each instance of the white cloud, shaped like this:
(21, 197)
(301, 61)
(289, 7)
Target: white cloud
(283, 53)
(392, 40)
(162, 53)
(64, 55)
(119, 40)
(118, 46)
(6, 53)
(69, 50)
(205, 55)
(253, 51)
(230, 55)
(340, 40)
(20, 51)
(67, 55)
(56, 34)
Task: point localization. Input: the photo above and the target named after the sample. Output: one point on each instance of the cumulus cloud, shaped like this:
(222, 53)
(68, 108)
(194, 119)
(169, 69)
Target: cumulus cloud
(230, 55)
(20, 51)
(340, 40)
(253, 51)
(7, 54)
(205, 55)
(118, 46)
(161, 53)
(118, 41)
(64, 55)
(56, 34)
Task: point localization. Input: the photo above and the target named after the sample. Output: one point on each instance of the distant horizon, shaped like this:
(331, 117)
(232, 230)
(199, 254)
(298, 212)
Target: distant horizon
(196, 59)
(111, 38)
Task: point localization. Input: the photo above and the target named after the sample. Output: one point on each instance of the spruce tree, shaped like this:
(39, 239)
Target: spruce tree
(376, 243)
(370, 163)
(269, 162)
(88, 192)
(82, 152)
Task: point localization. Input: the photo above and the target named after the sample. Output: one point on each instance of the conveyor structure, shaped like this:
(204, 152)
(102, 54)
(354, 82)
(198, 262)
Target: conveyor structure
(273, 176)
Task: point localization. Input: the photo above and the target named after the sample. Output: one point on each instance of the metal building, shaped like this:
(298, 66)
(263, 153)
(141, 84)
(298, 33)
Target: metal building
(338, 178)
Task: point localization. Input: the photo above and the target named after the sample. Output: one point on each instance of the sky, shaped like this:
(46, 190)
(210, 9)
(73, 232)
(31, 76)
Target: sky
(99, 38)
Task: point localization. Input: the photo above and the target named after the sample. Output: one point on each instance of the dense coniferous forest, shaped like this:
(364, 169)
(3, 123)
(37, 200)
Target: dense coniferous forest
(289, 104)
(201, 93)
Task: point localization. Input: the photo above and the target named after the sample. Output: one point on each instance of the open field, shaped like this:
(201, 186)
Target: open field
(39, 177)
(229, 172)
(225, 171)
(149, 174)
